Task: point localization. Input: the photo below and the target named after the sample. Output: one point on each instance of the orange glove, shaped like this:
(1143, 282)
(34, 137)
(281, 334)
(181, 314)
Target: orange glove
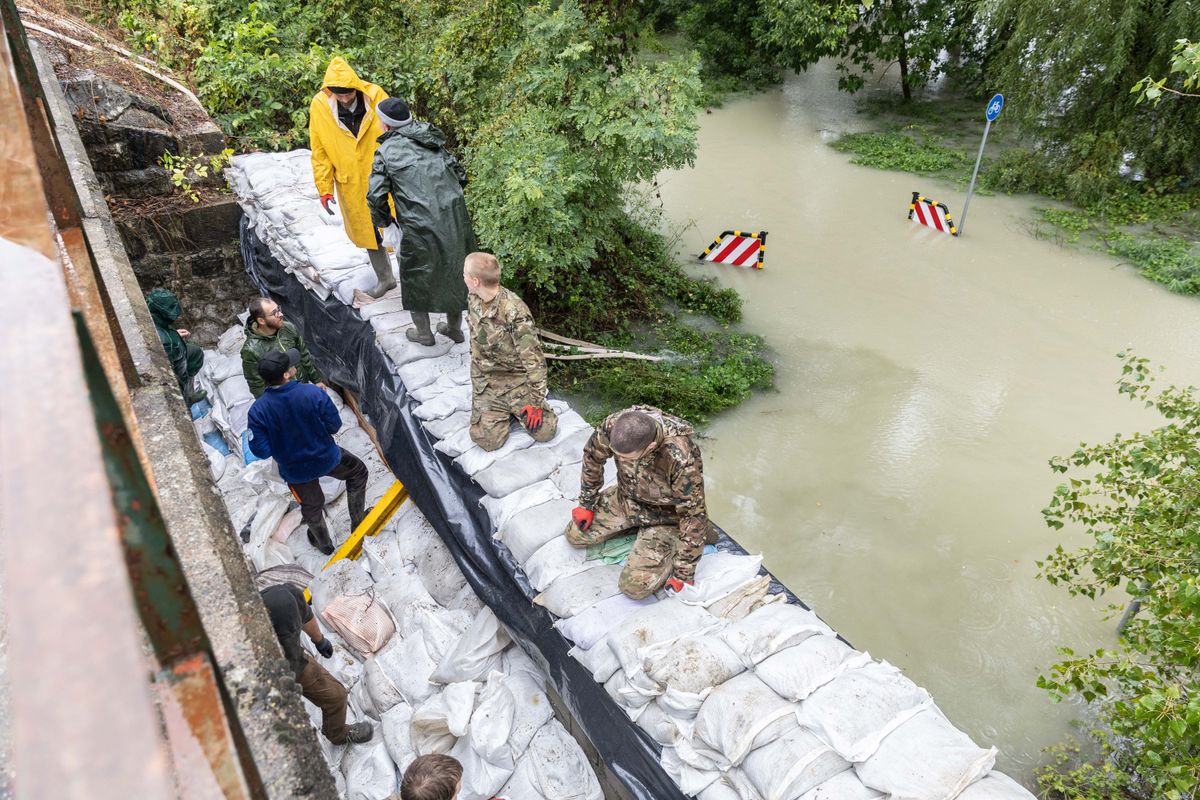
(676, 585)
(582, 518)
(533, 417)
(326, 199)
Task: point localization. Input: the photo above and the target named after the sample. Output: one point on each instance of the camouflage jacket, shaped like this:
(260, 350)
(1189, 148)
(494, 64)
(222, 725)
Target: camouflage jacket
(505, 352)
(672, 474)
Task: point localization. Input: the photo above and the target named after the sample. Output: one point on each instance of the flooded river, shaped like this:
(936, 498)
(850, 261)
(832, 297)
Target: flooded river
(895, 478)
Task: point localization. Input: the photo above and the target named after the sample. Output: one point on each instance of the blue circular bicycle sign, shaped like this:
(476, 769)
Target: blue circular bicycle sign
(994, 106)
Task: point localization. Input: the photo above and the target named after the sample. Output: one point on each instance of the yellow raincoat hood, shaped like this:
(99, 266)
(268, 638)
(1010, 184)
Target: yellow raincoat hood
(341, 160)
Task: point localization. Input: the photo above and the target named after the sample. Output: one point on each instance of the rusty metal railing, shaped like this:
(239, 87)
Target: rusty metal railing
(90, 572)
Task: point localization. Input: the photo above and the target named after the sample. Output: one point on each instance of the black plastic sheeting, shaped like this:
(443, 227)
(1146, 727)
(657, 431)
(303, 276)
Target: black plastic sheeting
(344, 346)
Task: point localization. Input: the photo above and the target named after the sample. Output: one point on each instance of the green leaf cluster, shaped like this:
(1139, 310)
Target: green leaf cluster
(1137, 497)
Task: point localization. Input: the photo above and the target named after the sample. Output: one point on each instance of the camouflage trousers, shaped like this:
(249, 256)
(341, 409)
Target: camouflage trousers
(659, 541)
(492, 412)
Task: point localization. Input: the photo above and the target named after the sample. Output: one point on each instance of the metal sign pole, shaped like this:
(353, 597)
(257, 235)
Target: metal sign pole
(992, 111)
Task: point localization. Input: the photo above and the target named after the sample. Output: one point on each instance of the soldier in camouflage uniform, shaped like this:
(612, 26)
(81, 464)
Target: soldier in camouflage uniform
(508, 370)
(659, 494)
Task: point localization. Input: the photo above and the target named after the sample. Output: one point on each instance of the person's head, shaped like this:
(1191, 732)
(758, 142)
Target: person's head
(276, 368)
(393, 113)
(344, 95)
(431, 777)
(481, 274)
(633, 435)
(266, 314)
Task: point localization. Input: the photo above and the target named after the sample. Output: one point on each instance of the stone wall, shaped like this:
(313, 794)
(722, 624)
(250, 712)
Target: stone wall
(189, 248)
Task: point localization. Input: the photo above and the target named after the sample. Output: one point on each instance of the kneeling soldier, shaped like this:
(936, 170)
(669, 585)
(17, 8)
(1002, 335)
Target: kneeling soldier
(659, 495)
(508, 370)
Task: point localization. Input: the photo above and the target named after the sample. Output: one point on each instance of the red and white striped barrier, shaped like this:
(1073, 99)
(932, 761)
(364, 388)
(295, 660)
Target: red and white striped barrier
(931, 215)
(737, 248)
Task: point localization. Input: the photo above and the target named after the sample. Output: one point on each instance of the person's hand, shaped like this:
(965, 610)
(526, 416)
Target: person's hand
(533, 417)
(326, 199)
(184, 332)
(320, 385)
(325, 648)
(676, 585)
(582, 518)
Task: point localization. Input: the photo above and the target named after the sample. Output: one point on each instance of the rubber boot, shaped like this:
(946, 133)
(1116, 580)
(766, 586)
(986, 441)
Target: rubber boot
(452, 327)
(318, 537)
(420, 333)
(357, 502)
(359, 732)
(191, 393)
(383, 271)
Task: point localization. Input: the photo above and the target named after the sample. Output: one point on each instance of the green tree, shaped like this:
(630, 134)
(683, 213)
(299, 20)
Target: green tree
(864, 37)
(1186, 62)
(1137, 497)
(1067, 68)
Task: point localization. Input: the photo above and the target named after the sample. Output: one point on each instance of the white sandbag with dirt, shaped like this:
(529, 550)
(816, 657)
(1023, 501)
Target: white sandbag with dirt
(502, 509)
(519, 469)
(440, 720)
(569, 596)
(556, 559)
(718, 575)
(686, 670)
(378, 671)
(739, 716)
(798, 671)
(594, 623)
(526, 531)
(691, 780)
(770, 629)
(926, 758)
(664, 621)
(395, 726)
(552, 768)
(856, 710)
(369, 771)
(791, 765)
(485, 752)
(476, 653)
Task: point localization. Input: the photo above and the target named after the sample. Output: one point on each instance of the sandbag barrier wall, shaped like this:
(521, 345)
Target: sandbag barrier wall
(344, 345)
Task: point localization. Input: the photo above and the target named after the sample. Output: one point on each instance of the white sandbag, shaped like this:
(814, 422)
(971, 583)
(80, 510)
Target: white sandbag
(599, 659)
(441, 627)
(568, 444)
(220, 367)
(425, 393)
(445, 404)
(234, 391)
(359, 703)
(441, 428)
(664, 621)
(718, 575)
(287, 526)
(230, 342)
(689, 779)
(568, 596)
(798, 671)
(397, 735)
(555, 559)
(742, 715)
(519, 469)
(466, 600)
(476, 459)
(403, 352)
(264, 551)
(926, 758)
(791, 765)
(369, 771)
(594, 623)
(485, 752)
(383, 559)
(385, 305)
(439, 721)
(501, 509)
(476, 653)
(856, 710)
(531, 706)
(567, 477)
(661, 727)
(686, 670)
(416, 374)
(344, 578)
(770, 629)
(403, 591)
(843, 786)
(387, 323)
(553, 768)
(414, 665)
(723, 789)
(378, 670)
(996, 786)
(526, 531)
(457, 442)
(438, 570)
(216, 461)
(746, 599)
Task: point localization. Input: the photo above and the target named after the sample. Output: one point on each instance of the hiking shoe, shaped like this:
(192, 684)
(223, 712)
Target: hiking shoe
(359, 732)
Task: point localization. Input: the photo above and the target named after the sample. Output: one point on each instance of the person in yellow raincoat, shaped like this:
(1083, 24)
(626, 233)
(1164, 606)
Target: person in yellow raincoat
(343, 126)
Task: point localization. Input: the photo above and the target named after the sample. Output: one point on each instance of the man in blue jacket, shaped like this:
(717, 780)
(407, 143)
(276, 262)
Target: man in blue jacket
(294, 423)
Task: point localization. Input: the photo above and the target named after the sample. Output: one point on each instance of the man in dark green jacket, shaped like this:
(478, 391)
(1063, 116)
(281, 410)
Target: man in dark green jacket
(186, 359)
(426, 185)
(266, 330)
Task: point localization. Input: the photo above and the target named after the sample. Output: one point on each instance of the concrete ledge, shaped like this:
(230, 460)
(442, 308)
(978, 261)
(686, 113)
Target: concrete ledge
(281, 740)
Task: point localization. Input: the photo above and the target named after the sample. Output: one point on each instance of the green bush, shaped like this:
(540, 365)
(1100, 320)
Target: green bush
(901, 151)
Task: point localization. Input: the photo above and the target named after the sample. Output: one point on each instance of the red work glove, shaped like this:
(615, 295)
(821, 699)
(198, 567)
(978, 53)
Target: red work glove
(676, 585)
(326, 199)
(582, 518)
(533, 417)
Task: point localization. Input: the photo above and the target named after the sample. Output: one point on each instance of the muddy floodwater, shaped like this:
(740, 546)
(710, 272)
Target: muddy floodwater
(895, 478)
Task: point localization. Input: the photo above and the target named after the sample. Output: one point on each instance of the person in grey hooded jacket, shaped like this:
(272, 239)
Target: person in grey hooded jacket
(425, 183)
